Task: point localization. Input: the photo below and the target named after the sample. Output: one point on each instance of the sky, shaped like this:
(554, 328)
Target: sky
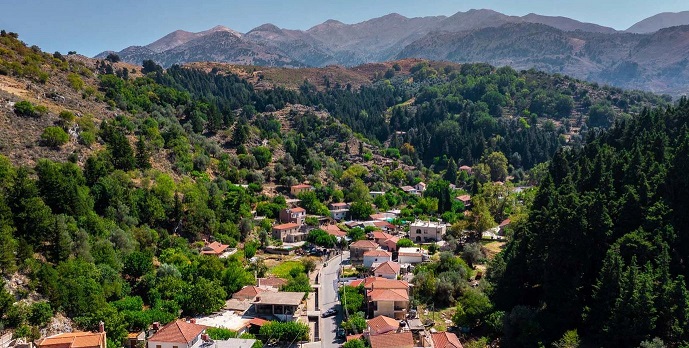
(92, 26)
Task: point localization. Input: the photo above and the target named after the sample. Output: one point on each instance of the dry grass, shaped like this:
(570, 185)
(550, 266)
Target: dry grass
(442, 317)
(493, 248)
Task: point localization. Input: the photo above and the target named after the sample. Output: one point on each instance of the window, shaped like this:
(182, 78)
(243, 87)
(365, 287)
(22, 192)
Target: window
(418, 231)
(159, 346)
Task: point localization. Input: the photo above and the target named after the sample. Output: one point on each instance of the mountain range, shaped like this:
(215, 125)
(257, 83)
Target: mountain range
(651, 55)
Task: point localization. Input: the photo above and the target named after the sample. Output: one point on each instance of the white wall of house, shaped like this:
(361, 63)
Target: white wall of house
(385, 275)
(370, 260)
(339, 214)
(410, 259)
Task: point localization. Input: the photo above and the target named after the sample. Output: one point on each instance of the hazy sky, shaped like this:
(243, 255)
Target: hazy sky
(92, 26)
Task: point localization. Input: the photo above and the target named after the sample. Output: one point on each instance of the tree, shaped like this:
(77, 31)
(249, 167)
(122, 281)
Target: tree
(319, 237)
(356, 323)
(54, 136)
(569, 340)
(405, 243)
(451, 172)
(112, 58)
(351, 298)
(285, 332)
(205, 297)
(142, 154)
(356, 234)
(361, 210)
(263, 155)
(138, 264)
(121, 151)
(354, 344)
(497, 162)
(473, 306)
(300, 283)
(150, 66)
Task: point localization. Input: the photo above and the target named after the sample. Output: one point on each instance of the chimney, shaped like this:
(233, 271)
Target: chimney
(192, 320)
(156, 325)
(205, 337)
(101, 326)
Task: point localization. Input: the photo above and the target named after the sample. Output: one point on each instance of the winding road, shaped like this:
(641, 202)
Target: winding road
(327, 298)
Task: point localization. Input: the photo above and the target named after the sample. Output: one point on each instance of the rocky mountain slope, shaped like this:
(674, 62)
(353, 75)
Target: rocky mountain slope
(660, 21)
(554, 44)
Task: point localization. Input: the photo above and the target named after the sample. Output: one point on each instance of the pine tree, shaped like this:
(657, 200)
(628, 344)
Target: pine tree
(451, 172)
(142, 154)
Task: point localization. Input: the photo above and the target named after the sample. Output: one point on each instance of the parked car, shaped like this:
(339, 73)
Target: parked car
(329, 313)
(340, 333)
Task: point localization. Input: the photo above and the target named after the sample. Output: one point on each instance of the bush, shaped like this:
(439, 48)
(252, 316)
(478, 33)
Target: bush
(87, 138)
(75, 81)
(285, 332)
(54, 136)
(24, 108)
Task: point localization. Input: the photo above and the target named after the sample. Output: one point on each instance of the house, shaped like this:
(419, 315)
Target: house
(282, 304)
(333, 230)
(271, 283)
(77, 339)
(410, 190)
(445, 340)
(383, 216)
(295, 215)
(385, 296)
(376, 256)
(375, 194)
(178, 334)
(135, 339)
(421, 187)
(388, 270)
(379, 236)
(248, 292)
(465, 199)
(427, 231)
(466, 169)
(384, 225)
(215, 248)
(289, 232)
(389, 302)
(297, 189)
(392, 340)
(503, 225)
(410, 255)
(339, 214)
(390, 244)
(338, 205)
(358, 248)
(382, 325)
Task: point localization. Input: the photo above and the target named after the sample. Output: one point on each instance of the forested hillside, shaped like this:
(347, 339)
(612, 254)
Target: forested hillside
(113, 175)
(605, 247)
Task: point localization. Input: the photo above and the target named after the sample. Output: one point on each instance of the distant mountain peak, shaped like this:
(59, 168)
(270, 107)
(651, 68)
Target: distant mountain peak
(268, 27)
(660, 21)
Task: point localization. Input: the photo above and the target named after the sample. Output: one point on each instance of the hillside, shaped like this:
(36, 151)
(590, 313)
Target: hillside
(606, 241)
(660, 21)
(554, 44)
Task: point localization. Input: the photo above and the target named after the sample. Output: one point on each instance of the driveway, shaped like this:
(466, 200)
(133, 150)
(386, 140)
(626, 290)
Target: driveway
(327, 298)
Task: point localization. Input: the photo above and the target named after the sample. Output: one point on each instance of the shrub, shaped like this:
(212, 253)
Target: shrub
(285, 332)
(87, 138)
(54, 136)
(24, 108)
(75, 81)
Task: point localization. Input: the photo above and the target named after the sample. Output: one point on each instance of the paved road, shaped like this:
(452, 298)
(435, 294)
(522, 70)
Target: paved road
(327, 299)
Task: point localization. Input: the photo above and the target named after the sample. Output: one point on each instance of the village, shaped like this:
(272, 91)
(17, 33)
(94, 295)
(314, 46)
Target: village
(379, 266)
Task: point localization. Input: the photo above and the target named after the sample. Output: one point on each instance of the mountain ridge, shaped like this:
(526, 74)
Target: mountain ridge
(559, 45)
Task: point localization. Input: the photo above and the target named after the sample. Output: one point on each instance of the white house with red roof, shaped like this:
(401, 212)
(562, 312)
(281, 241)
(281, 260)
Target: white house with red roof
(382, 325)
(376, 256)
(178, 334)
(388, 270)
(214, 248)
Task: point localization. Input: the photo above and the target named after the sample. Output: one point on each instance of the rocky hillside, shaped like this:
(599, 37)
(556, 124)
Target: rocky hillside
(553, 44)
(660, 21)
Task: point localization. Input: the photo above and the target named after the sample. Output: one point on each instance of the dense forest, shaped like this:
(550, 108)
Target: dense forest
(605, 246)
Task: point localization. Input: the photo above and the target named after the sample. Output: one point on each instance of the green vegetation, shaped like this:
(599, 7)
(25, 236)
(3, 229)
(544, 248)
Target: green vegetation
(26, 109)
(352, 298)
(285, 332)
(54, 136)
(284, 269)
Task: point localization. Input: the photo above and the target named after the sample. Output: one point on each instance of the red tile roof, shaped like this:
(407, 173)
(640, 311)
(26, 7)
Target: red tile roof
(274, 282)
(334, 230)
(377, 253)
(297, 210)
(287, 226)
(78, 339)
(247, 293)
(385, 224)
(393, 340)
(215, 248)
(464, 168)
(388, 268)
(380, 283)
(380, 234)
(382, 324)
(388, 295)
(445, 340)
(364, 244)
(258, 321)
(178, 331)
(464, 198)
(505, 222)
